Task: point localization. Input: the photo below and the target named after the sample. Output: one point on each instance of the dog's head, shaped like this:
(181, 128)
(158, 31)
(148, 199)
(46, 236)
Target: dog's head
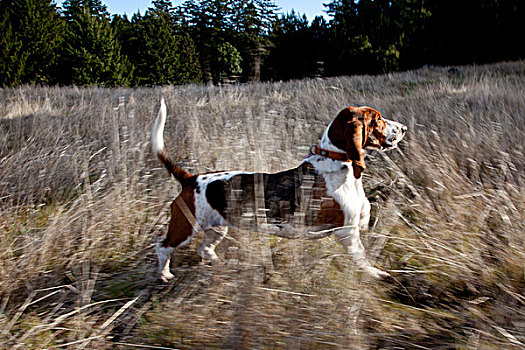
(357, 128)
(380, 132)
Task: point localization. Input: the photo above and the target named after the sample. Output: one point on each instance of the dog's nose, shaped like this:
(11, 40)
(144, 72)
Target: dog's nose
(403, 129)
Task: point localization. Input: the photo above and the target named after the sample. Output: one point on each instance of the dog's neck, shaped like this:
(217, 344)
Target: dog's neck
(326, 165)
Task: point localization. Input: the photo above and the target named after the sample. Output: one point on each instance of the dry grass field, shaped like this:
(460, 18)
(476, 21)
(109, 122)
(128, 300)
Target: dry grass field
(83, 201)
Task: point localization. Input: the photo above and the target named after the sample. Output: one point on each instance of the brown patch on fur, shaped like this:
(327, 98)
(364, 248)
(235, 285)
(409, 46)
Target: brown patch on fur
(351, 131)
(179, 173)
(182, 220)
(330, 212)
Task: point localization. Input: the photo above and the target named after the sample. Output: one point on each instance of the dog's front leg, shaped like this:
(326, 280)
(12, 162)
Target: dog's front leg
(349, 238)
(364, 217)
(210, 239)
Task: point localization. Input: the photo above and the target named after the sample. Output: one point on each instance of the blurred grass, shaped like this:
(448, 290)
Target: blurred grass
(83, 200)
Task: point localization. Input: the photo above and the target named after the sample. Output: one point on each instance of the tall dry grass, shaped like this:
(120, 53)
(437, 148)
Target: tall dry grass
(83, 200)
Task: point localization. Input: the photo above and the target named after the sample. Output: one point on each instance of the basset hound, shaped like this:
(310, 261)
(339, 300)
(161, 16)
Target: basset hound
(324, 195)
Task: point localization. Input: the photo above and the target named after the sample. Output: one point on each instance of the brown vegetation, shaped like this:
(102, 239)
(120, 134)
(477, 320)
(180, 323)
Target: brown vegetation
(83, 200)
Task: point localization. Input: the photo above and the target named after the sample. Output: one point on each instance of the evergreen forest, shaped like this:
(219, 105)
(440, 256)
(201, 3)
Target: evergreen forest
(228, 41)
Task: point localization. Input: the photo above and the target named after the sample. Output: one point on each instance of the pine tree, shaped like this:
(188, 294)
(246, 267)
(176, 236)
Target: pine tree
(92, 53)
(347, 41)
(209, 25)
(253, 22)
(12, 58)
(164, 54)
(126, 34)
(228, 62)
(32, 33)
(298, 49)
(72, 9)
(370, 35)
(163, 7)
(231, 36)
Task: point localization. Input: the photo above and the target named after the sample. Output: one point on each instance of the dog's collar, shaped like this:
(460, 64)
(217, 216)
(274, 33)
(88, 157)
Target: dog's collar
(342, 157)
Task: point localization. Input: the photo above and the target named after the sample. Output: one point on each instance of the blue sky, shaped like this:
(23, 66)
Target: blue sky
(311, 8)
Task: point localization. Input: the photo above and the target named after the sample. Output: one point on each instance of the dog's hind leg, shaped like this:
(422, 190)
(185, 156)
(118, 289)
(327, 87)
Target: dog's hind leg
(163, 256)
(180, 232)
(210, 239)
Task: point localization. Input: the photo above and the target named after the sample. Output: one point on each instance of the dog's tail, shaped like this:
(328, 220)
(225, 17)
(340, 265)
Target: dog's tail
(157, 144)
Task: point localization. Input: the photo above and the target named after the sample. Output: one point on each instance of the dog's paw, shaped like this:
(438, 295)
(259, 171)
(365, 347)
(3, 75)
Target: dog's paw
(208, 256)
(376, 273)
(166, 276)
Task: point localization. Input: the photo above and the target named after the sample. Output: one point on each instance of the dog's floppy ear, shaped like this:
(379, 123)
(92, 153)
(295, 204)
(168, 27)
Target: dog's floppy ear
(354, 149)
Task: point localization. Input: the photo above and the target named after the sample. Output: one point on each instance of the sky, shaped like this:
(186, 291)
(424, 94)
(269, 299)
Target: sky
(311, 8)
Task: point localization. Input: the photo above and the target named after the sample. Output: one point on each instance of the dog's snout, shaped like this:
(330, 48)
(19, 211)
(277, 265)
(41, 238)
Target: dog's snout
(404, 129)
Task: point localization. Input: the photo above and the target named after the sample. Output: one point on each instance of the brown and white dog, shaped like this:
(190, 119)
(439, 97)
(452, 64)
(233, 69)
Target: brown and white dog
(323, 195)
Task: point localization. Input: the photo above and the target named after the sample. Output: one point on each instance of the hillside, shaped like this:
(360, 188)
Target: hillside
(83, 200)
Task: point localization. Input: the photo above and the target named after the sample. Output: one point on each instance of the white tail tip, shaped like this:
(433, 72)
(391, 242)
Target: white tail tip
(162, 105)
(157, 138)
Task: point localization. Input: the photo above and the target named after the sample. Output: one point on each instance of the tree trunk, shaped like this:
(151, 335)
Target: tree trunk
(256, 54)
